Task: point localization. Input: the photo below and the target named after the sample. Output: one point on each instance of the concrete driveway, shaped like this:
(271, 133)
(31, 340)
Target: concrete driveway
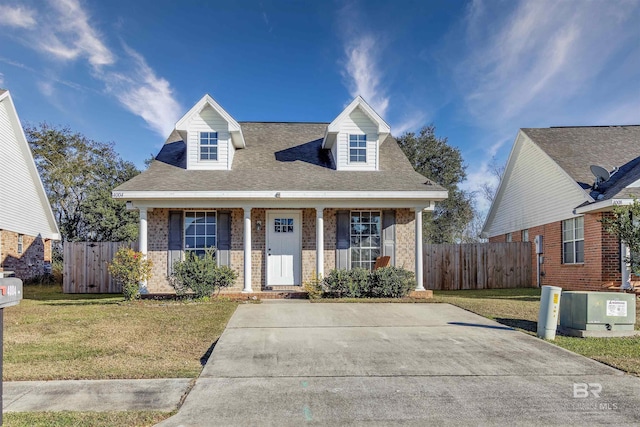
(295, 363)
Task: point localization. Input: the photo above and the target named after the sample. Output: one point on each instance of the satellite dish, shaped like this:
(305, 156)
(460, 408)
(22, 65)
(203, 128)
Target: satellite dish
(600, 173)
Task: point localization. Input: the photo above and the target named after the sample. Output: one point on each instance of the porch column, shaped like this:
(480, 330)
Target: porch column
(320, 241)
(247, 250)
(419, 260)
(142, 243)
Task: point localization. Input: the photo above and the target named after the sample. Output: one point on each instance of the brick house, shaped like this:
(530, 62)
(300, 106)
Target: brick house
(280, 201)
(548, 189)
(27, 224)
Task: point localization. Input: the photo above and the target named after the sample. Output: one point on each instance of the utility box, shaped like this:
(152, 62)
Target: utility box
(597, 314)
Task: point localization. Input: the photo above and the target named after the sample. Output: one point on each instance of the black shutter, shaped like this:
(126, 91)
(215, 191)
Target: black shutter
(174, 250)
(342, 240)
(389, 235)
(223, 253)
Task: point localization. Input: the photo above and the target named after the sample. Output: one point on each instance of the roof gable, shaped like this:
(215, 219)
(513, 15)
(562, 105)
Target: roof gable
(335, 126)
(533, 191)
(25, 206)
(207, 101)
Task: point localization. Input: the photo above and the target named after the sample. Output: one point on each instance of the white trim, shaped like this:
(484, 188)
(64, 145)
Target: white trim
(234, 127)
(604, 205)
(321, 195)
(278, 204)
(267, 229)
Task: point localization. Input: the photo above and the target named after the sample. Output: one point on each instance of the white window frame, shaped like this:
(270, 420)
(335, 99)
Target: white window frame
(360, 151)
(572, 237)
(212, 145)
(525, 235)
(372, 261)
(20, 247)
(196, 235)
(508, 238)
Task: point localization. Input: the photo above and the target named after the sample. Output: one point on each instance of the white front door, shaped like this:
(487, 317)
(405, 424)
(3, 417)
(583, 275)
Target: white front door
(284, 248)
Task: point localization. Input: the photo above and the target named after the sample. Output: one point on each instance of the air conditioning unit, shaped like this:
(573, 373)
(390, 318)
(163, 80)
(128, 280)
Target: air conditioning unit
(597, 314)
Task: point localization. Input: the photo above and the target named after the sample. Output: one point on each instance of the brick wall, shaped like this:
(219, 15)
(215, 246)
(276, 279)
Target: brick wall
(158, 232)
(36, 252)
(601, 267)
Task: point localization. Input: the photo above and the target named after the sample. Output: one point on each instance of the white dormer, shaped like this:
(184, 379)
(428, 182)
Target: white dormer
(354, 137)
(212, 136)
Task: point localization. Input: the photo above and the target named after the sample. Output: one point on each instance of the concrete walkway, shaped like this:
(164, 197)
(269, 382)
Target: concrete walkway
(381, 364)
(94, 395)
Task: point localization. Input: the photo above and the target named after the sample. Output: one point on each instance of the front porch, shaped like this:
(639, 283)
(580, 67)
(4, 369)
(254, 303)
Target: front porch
(247, 244)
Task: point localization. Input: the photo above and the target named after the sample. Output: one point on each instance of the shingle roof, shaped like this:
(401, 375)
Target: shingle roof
(575, 149)
(2, 91)
(279, 157)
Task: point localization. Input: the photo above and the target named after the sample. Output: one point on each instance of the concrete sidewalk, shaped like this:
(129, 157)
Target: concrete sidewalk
(387, 364)
(94, 395)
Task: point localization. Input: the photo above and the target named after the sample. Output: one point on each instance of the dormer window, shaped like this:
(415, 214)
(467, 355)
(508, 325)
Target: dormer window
(209, 146)
(358, 148)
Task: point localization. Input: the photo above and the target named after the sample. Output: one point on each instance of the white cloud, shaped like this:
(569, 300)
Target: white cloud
(1, 80)
(410, 124)
(542, 63)
(145, 94)
(72, 36)
(68, 34)
(363, 72)
(46, 88)
(18, 16)
(527, 63)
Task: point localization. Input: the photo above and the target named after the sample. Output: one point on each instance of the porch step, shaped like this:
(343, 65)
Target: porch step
(280, 294)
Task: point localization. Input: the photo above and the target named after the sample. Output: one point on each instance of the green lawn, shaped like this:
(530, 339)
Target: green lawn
(83, 419)
(54, 336)
(518, 308)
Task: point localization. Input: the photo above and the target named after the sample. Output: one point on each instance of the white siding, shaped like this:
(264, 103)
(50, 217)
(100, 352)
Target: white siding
(357, 123)
(208, 121)
(536, 192)
(21, 206)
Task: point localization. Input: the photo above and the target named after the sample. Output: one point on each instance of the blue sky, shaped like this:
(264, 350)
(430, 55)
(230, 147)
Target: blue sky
(125, 71)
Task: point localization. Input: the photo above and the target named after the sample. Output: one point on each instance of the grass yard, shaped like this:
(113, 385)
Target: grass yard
(53, 336)
(83, 419)
(518, 308)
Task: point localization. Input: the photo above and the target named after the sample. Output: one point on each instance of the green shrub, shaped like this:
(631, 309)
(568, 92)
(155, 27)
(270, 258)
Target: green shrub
(337, 283)
(129, 268)
(201, 275)
(391, 282)
(387, 282)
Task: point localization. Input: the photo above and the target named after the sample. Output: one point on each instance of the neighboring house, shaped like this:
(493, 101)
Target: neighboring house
(27, 224)
(548, 189)
(280, 201)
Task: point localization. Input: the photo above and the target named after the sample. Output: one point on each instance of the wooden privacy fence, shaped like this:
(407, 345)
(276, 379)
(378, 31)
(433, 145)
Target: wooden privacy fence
(86, 267)
(477, 266)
